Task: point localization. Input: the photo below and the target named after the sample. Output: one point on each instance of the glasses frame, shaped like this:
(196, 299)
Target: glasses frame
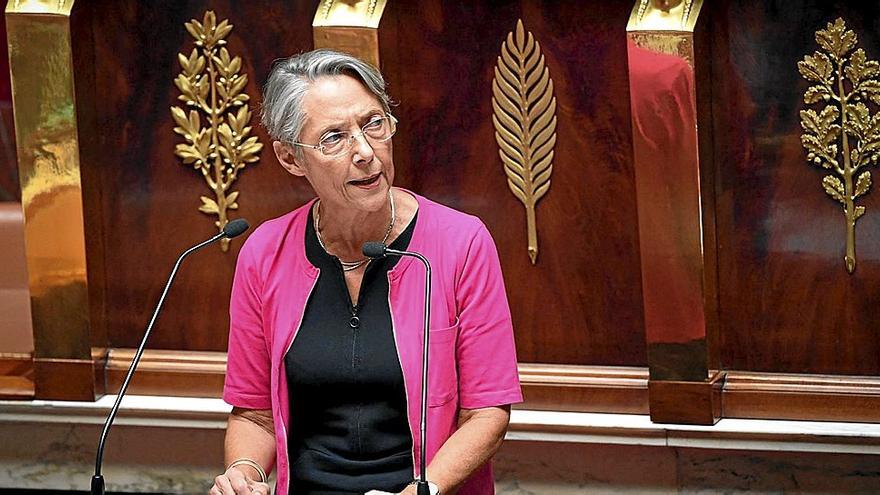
(363, 133)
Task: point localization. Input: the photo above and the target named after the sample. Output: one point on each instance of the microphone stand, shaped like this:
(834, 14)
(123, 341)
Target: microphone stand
(97, 486)
(378, 250)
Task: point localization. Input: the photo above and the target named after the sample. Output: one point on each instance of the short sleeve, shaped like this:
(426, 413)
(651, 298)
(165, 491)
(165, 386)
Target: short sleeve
(248, 363)
(486, 354)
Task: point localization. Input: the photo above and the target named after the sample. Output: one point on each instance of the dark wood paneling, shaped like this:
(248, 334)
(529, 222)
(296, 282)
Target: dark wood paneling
(150, 198)
(787, 303)
(581, 303)
(703, 73)
(694, 403)
(68, 379)
(88, 103)
(10, 190)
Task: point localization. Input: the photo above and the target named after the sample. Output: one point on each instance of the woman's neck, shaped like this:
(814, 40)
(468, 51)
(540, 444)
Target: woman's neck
(344, 231)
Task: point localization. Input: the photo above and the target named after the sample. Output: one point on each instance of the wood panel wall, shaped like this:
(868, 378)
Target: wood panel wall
(790, 320)
(581, 303)
(150, 199)
(787, 304)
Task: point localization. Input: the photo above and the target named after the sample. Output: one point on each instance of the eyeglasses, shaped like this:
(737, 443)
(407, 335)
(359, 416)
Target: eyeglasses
(377, 130)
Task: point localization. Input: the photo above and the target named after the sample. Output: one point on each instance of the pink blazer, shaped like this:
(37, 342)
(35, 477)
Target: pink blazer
(472, 354)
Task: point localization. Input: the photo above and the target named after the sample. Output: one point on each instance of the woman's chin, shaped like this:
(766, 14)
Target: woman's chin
(376, 190)
(370, 199)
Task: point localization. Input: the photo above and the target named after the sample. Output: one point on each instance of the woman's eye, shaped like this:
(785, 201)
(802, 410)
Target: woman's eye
(331, 139)
(374, 124)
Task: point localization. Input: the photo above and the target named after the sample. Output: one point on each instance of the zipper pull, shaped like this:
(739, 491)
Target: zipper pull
(354, 322)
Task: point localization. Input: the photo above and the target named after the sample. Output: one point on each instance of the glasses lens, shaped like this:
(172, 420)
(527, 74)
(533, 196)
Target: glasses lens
(334, 144)
(378, 129)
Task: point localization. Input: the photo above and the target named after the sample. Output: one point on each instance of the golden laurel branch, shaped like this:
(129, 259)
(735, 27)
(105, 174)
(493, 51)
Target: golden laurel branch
(211, 86)
(525, 122)
(845, 81)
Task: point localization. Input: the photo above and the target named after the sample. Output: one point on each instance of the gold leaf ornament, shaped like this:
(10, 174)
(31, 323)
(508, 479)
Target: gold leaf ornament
(525, 123)
(844, 136)
(214, 126)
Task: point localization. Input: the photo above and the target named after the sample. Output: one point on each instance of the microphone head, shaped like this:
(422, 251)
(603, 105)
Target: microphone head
(374, 249)
(235, 228)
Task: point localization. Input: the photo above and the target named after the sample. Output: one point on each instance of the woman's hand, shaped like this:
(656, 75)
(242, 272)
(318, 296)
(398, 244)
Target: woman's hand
(235, 482)
(250, 453)
(409, 490)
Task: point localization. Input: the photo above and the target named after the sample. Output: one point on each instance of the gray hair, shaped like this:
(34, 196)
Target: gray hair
(290, 78)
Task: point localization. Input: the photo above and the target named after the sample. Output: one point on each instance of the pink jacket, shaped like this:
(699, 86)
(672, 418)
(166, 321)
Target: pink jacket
(472, 357)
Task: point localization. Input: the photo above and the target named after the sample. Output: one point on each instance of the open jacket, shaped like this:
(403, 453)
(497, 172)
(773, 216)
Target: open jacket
(472, 355)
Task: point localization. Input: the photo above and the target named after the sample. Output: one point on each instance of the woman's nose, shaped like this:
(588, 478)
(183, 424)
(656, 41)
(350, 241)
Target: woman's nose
(363, 149)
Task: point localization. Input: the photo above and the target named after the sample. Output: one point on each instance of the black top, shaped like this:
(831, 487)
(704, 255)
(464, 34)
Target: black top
(348, 424)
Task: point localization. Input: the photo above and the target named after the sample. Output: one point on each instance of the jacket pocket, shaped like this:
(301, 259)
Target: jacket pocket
(442, 367)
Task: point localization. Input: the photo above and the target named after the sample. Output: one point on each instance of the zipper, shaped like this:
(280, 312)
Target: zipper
(281, 365)
(354, 322)
(405, 388)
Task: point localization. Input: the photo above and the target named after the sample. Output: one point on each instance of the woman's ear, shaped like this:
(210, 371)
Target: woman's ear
(287, 157)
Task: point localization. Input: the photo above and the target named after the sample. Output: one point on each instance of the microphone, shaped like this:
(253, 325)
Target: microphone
(380, 250)
(374, 250)
(232, 229)
(235, 228)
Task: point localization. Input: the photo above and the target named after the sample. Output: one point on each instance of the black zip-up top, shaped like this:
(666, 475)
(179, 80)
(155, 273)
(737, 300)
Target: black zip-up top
(348, 425)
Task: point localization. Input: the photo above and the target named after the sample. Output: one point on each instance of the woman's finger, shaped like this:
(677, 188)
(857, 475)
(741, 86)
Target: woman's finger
(239, 481)
(258, 488)
(225, 487)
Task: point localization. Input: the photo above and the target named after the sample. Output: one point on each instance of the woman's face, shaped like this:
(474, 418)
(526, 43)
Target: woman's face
(358, 179)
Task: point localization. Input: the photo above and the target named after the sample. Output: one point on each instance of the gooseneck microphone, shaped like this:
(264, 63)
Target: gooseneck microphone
(380, 250)
(232, 229)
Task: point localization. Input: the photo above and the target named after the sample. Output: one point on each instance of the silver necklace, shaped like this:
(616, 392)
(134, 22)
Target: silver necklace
(347, 266)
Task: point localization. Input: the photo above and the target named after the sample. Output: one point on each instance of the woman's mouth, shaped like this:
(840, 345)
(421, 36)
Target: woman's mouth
(367, 182)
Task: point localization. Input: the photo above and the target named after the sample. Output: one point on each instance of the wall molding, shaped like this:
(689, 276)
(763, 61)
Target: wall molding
(165, 372)
(605, 389)
(801, 397)
(16, 376)
(546, 387)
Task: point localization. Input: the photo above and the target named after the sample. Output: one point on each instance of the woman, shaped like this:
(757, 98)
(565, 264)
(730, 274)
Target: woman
(324, 367)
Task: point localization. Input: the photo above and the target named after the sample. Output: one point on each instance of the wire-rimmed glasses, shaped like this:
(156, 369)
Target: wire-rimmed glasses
(377, 130)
